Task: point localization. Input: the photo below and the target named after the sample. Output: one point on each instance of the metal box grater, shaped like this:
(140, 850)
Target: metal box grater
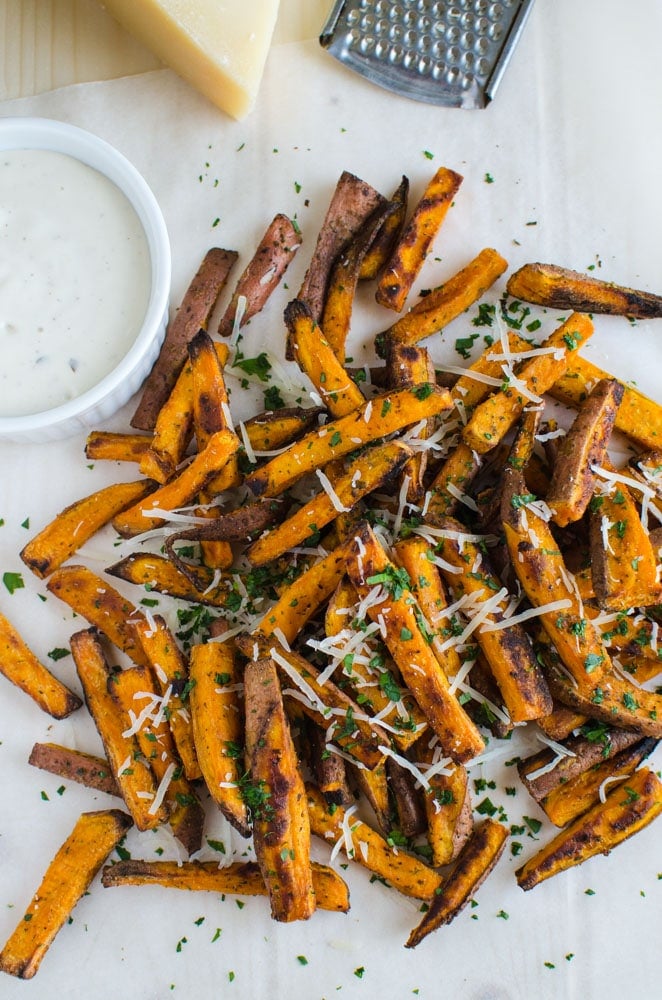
(448, 53)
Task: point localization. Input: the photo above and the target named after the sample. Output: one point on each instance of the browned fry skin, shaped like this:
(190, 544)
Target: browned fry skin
(317, 359)
(193, 314)
(379, 417)
(217, 716)
(567, 801)
(406, 636)
(66, 879)
(507, 649)
(373, 468)
(173, 430)
(374, 786)
(211, 413)
(101, 605)
(583, 754)
(60, 539)
(628, 808)
(281, 828)
(116, 447)
(133, 775)
(75, 765)
(413, 246)
(341, 288)
(478, 858)
(404, 872)
(493, 418)
(20, 666)
(382, 246)
(156, 573)
(408, 799)
(134, 691)
(263, 272)
(585, 445)
(561, 288)
(170, 670)
(328, 768)
(447, 302)
(241, 879)
(352, 202)
(540, 569)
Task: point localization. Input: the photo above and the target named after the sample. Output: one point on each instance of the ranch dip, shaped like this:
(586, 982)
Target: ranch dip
(74, 279)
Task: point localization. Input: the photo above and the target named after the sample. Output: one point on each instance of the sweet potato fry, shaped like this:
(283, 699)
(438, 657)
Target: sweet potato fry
(20, 666)
(436, 310)
(408, 798)
(583, 447)
(413, 366)
(75, 765)
(628, 808)
(624, 563)
(493, 418)
(540, 569)
(406, 635)
(211, 410)
(451, 483)
(240, 879)
(101, 605)
(370, 471)
(180, 491)
(382, 246)
(613, 700)
(379, 417)
(134, 691)
(479, 856)
(507, 648)
(60, 539)
(341, 287)
(281, 827)
(581, 753)
(277, 428)
(561, 288)
(572, 798)
(116, 447)
(317, 359)
(156, 573)
(133, 775)
(363, 844)
(413, 246)
(352, 202)
(304, 596)
(447, 802)
(193, 314)
(638, 417)
(66, 879)
(262, 274)
(216, 715)
(170, 670)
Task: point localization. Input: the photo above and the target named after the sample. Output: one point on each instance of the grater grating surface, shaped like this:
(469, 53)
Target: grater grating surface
(448, 53)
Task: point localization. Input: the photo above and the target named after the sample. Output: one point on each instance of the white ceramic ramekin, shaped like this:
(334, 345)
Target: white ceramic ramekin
(116, 388)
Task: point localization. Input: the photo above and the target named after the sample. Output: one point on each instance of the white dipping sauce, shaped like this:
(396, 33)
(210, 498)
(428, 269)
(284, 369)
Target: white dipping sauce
(74, 279)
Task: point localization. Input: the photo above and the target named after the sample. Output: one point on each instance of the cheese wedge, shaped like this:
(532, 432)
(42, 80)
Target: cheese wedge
(219, 46)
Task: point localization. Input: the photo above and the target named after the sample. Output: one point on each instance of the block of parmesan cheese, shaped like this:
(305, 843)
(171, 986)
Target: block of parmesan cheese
(219, 46)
